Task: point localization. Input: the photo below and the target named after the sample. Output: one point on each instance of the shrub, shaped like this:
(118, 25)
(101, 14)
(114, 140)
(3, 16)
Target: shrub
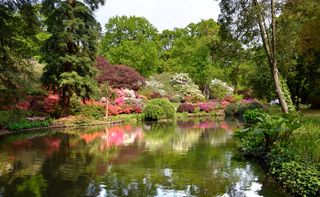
(119, 76)
(233, 98)
(25, 124)
(247, 106)
(299, 179)
(185, 87)
(290, 148)
(166, 108)
(51, 102)
(94, 111)
(113, 110)
(153, 112)
(156, 87)
(207, 107)
(238, 109)
(219, 89)
(231, 109)
(12, 116)
(194, 99)
(186, 107)
(305, 142)
(254, 115)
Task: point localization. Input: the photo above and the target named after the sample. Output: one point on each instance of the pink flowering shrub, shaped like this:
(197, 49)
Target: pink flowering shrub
(128, 101)
(224, 103)
(248, 100)
(125, 101)
(119, 101)
(207, 106)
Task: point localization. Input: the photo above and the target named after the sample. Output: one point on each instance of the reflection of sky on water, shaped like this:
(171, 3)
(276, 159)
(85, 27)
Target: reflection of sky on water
(247, 185)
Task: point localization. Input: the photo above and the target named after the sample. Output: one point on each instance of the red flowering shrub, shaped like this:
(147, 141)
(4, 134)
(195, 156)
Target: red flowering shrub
(137, 109)
(25, 105)
(50, 102)
(185, 107)
(119, 76)
(229, 99)
(125, 109)
(113, 110)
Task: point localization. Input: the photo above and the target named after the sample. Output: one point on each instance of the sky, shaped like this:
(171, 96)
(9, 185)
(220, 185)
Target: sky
(163, 14)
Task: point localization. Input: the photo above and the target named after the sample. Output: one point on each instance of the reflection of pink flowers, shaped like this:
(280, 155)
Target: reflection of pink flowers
(114, 136)
(205, 125)
(224, 125)
(48, 144)
(89, 137)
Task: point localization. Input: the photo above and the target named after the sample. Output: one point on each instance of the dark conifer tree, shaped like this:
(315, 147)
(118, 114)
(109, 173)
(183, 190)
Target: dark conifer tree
(70, 51)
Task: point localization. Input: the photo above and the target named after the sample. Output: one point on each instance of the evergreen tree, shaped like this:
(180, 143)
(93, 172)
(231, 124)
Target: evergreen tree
(19, 25)
(70, 51)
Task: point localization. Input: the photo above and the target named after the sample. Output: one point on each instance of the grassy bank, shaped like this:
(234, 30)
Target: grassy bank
(290, 146)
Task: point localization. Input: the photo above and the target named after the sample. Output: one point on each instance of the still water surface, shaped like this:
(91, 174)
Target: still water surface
(197, 157)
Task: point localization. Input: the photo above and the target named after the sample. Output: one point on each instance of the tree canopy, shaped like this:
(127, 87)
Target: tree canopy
(131, 41)
(70, 52)
(19, 26)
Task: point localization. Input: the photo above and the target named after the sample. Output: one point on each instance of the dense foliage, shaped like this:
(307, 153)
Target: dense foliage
(70, 51)
(289, 148)
(131, 41)
(25, 124)
(19, 27)
(238, 109)
(118, 76)
(157, 109)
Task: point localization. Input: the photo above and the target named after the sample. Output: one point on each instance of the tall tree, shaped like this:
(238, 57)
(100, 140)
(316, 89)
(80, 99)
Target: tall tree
(70, 52)
(256, 22)
(190, 50)
(19, 25)
(132, 41)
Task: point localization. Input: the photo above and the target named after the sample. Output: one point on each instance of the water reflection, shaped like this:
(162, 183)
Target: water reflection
(186, 158)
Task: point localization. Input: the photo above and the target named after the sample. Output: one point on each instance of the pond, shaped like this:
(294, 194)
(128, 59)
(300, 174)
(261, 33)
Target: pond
(197, 157)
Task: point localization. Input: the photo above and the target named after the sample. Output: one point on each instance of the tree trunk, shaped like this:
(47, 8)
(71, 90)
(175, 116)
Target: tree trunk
(72, 2)
(270, 50)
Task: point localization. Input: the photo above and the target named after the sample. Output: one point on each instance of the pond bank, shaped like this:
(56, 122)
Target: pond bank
(289, 147)
(82, 121)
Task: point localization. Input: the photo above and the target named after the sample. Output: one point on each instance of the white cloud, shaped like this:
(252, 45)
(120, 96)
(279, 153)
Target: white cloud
(163, 14)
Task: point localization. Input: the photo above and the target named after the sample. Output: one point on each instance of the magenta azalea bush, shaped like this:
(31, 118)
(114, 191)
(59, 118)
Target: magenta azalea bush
(207, 106)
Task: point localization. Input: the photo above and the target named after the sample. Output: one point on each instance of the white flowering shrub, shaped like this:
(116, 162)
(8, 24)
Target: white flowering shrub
(185, 87)
(219, 89)
(127, 96)
(155, 86)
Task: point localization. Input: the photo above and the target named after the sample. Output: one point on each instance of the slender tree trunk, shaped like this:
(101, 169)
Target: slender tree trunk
(270, 50)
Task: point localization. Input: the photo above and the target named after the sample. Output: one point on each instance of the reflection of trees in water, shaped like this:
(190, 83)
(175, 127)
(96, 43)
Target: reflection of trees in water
(131, 161)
